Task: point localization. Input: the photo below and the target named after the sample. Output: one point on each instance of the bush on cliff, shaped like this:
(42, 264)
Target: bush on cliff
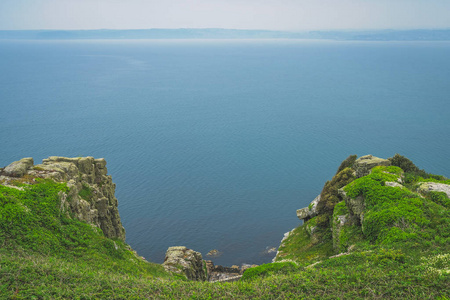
(329, 196)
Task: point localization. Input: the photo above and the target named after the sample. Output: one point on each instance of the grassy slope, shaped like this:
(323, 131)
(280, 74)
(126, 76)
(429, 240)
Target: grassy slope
(46, 255)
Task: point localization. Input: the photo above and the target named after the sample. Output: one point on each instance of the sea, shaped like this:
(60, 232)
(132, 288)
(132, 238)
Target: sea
(214, 144)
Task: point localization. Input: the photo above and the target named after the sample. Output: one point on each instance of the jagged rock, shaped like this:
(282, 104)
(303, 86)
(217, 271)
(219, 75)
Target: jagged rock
(19, 168)
(185, 261)
(426, 187)
(364, 164)
(91, 196)
(310, 211)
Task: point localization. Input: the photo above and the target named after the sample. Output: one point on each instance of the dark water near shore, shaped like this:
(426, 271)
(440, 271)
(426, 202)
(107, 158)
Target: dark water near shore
(215, 144)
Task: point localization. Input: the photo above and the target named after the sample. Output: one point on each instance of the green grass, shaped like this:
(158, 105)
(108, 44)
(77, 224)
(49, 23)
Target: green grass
(40, 244)
(402, 251)
(372, 274)
(299, 247)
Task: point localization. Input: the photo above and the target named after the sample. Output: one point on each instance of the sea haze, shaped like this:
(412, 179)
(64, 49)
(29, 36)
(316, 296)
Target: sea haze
(215, 144)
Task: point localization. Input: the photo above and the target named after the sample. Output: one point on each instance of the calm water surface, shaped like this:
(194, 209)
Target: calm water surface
(215, 144)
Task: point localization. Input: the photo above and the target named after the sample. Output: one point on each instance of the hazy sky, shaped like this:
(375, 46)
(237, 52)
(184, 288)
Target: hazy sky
(243, 14)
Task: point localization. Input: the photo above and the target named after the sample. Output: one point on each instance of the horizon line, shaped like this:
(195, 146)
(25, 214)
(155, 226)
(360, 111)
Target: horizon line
(242, 29)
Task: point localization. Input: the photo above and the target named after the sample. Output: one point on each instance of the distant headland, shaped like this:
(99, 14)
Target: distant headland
(221, 33)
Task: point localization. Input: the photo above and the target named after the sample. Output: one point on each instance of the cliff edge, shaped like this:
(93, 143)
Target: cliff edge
(90, 197)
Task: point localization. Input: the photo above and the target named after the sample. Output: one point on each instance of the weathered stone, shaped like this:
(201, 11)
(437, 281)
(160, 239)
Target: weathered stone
(364, 164)
(310, 211)
(426, 187)
(225, 274)
(271, 250)
(100, 163)
(19, 168)
(214, 253)
(392, 184)
(185, 261)
(355, 205)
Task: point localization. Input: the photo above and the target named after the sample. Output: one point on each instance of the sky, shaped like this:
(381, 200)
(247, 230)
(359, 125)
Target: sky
(293, 15)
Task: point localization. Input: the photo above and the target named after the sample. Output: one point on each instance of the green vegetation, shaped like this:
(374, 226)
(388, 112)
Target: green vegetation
(299, 247)
(43, 248)
(439, 198)
(347, 163)
(270, 270)
(85, 192)
(399, 249)
(396, 214)
(413, 174)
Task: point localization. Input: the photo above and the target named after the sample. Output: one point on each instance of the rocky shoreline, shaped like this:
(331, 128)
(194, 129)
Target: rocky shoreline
(185, 261)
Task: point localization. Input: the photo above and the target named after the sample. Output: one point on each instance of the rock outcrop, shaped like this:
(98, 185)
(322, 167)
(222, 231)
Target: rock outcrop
(364, 164)
(427, 187)
(91, 195)
(19, 168)
(361, 167)
(185, 261)
(356, 205)
(310, 211)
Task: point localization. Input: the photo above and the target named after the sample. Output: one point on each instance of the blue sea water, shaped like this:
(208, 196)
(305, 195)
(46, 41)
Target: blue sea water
(215, 144)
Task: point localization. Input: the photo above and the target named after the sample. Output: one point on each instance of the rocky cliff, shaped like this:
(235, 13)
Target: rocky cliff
(91, 191)
(368, 199)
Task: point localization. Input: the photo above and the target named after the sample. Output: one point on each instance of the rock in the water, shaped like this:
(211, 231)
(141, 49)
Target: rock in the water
(272, 250)
(19, 168)
(310, 211)
(185, 261)
(364, 164)
(214, 253)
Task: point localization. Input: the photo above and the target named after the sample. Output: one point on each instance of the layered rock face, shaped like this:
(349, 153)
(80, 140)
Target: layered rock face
(91, 196)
